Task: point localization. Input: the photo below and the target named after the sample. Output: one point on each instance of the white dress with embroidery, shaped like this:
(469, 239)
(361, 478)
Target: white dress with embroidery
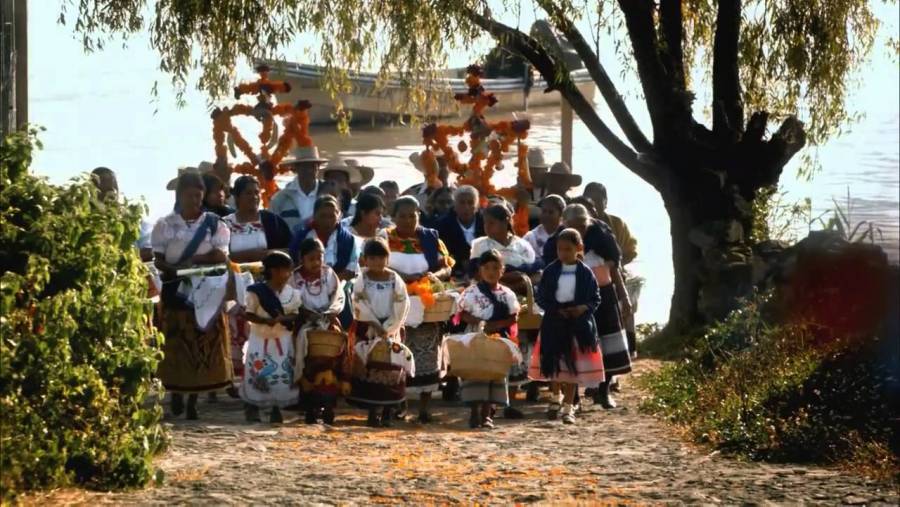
(269, 356)
(517, 254)
(170, 236)
(324, 295)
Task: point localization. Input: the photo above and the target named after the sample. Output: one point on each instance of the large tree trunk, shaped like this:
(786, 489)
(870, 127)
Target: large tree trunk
(707, 178)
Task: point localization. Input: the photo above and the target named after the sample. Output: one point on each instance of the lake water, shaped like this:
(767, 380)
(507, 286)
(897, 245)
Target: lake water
(98, 111)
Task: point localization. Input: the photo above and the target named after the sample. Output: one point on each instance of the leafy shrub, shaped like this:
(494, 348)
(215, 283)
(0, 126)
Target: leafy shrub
(778, 391)
(77, 353)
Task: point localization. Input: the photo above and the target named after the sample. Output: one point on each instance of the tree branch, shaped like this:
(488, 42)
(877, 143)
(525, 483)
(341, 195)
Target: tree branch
(672, 28)
(728, 109)
(592, 63)
(557, 77)
(655, 83)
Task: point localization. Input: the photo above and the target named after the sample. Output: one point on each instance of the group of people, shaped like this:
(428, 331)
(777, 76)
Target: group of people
(341, 258)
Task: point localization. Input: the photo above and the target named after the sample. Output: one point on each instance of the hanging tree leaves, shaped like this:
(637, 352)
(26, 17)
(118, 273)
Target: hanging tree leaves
(773, 75)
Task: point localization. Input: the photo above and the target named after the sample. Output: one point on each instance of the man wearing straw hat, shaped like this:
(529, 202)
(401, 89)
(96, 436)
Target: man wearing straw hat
(294, 203)
(348, 176)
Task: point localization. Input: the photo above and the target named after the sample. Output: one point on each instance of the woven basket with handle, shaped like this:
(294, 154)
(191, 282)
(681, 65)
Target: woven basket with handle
(441, 310)
(324, 343)
(529, 319)
(483, 359)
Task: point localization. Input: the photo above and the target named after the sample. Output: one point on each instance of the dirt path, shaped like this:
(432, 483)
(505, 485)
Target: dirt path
(607, 457)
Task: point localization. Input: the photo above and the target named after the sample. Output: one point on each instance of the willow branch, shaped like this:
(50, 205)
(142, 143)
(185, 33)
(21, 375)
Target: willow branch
(558, 79)
(598, 73)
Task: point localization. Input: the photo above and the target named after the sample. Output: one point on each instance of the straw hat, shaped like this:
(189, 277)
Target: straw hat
(338, 164)
(415, 158)
(201, 168)
(562, 170)
(536, 159)
(303, 154)
(366, 173)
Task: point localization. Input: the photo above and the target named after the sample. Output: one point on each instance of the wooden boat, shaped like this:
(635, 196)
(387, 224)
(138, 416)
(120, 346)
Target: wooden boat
(371, 101)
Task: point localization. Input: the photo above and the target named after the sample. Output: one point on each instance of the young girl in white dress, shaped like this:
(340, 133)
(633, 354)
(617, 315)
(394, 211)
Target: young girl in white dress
(321, 379)
(271, 309)
(494, 306)
(380, 307)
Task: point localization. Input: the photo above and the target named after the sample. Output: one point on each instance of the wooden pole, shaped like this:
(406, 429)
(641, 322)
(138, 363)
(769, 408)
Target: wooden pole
(21, 38)
(566, 132)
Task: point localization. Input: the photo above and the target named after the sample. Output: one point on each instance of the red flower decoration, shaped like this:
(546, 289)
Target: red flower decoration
(303, 105)
(429, 130)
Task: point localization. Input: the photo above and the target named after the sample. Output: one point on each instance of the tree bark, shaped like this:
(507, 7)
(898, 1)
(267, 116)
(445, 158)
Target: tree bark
(728, 109)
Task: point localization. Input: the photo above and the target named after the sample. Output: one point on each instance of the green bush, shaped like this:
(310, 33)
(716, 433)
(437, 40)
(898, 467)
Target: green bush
(78, 352)
(794, 392)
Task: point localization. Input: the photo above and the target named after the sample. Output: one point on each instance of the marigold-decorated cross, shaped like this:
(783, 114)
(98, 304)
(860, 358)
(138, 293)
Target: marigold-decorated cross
(263, 165)
(488, 141)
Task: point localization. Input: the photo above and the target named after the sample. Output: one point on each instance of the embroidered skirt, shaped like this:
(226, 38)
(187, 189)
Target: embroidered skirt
(489, 392)
(239, 331)
(589, 368)
(518, 375)
(375, 383)
(613, 340)
(427, 345)
(321, 379)
(195, 361)
(268, 379)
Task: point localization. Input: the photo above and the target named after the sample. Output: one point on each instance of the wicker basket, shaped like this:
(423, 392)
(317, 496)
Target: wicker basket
(529, 319)
(483, 359)
(441, 310)
(381, 352)
(323, 343)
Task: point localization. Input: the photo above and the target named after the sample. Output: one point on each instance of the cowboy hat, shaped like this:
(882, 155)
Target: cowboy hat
(562, 170)
(302, 154)
(536, 159)
(366, 173)
(201, 168)
(415, 159)
(338, 164)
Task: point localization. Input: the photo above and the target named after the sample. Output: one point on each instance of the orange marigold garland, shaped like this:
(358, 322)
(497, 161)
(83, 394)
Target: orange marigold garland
(422, 288)
(487, 144)
(264, 166)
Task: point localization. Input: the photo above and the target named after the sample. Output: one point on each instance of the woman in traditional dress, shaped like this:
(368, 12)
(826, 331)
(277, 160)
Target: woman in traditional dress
(602, 255)
(341, 249)
(368, 218)
(490, 304)
(568, 351)
(214, 200)
(197, 352)
(381, 364)
(417, 255)
(521, 267)
(272, 306)
(551, 208)
(254, 233)
(322, 379)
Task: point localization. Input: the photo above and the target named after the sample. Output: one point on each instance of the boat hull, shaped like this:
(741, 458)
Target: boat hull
(372, 102)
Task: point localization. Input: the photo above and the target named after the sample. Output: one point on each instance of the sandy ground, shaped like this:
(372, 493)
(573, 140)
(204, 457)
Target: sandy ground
(608, 457)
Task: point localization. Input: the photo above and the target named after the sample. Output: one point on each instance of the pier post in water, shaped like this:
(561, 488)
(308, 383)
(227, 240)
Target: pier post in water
(566, 132)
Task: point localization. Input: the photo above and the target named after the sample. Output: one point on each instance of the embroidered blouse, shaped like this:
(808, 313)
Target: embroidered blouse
(172, 234)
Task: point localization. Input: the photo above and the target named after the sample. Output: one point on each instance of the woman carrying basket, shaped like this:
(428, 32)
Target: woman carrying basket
(420, 258)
